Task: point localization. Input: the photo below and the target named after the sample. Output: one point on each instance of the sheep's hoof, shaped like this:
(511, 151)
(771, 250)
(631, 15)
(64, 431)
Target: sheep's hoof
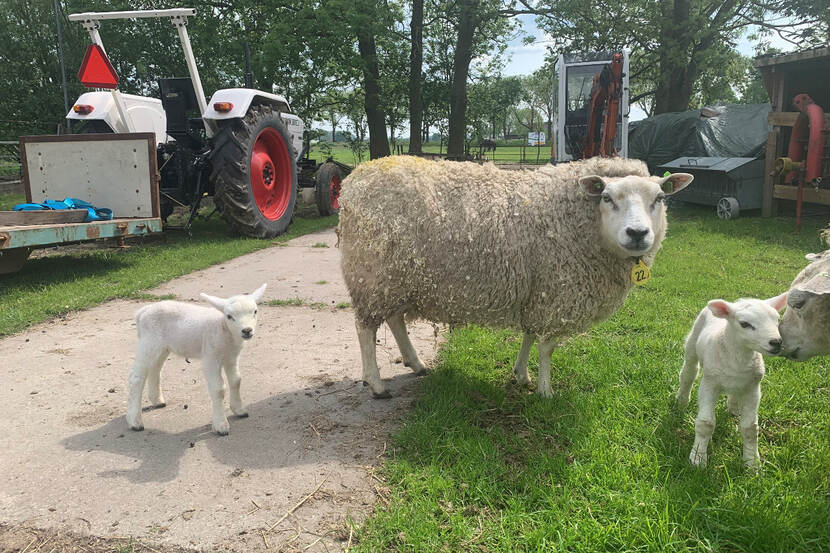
(138, 428)
(242, 415)
(422, 372)
(382, 395)
(223, 432)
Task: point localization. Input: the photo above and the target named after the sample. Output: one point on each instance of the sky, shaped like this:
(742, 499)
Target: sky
(527, 58)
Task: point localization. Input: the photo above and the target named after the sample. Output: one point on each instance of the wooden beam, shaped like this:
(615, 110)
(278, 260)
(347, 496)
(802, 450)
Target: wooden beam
(45, 217)
(765, 61)
(767, 203)
(810, 194)
(788, 118)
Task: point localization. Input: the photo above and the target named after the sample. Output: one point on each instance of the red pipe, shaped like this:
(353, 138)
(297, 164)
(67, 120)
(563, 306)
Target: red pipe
(815, 142)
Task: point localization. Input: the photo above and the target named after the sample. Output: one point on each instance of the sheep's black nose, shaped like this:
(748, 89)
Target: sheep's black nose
(775, 345)
(636, 234)
(247, 331)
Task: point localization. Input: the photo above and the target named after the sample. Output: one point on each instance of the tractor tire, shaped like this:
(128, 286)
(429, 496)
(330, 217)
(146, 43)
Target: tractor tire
(93, 126)
(255, 174)
(327, 190)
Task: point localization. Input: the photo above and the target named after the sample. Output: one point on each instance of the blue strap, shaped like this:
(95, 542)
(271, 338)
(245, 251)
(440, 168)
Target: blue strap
(93, 213)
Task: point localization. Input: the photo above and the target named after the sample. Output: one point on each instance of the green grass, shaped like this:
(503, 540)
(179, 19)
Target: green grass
(8, 201)
(480, 465)
(50, 286)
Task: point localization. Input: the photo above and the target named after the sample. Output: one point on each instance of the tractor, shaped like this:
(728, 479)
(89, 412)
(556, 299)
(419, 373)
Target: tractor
(244, 147)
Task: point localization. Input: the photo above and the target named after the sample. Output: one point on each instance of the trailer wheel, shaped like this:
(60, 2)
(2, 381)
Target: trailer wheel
(327, 191)
(254, 173)
(728, 208)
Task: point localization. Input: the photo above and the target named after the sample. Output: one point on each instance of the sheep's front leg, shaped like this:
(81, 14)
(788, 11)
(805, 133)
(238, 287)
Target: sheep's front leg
(546, 348)
(371, 374)
(216, 389)
(408, 354)
(707, 396)
(234, 381)
(749, 427)
(520, 367)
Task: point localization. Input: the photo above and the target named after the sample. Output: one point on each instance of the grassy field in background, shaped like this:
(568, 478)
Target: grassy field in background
(8, 201)
(54, 285)
(512, 153)
(483, 466)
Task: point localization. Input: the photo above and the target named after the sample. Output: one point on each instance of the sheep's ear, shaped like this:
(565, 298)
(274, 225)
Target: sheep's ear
(218, 303)
(676, 182)
(819, 285)
(778, 302)
(720, 308)
(257, 294)
(593, 185)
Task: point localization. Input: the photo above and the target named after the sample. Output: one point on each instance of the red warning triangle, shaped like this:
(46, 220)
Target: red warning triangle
(96, 70)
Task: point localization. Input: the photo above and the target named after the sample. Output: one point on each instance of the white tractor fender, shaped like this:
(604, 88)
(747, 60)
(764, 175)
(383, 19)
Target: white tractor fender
(243, 98)
(146, 114)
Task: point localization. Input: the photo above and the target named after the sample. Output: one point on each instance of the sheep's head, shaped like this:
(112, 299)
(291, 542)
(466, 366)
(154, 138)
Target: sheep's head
(754, 323)
(805, 326)
(240, 312)
(632, 209)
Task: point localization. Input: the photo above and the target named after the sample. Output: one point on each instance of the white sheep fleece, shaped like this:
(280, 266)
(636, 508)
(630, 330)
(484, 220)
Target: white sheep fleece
(214, 334)
(537, 251)
(727, 341)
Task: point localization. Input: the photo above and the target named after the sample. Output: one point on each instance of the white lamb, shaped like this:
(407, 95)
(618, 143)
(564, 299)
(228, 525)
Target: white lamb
(214, 335)
(727, 340)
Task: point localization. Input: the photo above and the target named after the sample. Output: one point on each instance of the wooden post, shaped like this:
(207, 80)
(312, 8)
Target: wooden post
(768, 200)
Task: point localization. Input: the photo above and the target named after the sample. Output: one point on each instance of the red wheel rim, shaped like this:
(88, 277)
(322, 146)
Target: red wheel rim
(271, 174)
(334, 191)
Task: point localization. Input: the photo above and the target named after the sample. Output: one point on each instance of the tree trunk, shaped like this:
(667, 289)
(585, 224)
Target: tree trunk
(467, 23)
(677, 71)
(375, 117)
(333, 130)
(416, 62)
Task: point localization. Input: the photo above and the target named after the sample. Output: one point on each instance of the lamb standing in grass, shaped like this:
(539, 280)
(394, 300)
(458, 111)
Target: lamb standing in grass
(727, 340)
(548, 252)
(192, 331)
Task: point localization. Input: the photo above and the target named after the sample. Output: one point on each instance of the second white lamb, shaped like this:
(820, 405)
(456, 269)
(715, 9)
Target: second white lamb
(728, 340)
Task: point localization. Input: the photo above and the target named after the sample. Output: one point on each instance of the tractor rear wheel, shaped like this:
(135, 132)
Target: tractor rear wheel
(254, 173)
(327, 191)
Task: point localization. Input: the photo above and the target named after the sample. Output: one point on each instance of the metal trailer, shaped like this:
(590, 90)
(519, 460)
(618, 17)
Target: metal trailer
(731, 184)
(114, 171)
(573, 80)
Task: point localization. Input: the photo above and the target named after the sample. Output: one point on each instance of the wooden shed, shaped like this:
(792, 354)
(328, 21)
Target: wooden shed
(785, 76)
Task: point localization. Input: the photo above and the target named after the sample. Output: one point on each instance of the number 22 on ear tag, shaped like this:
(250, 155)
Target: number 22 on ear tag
(640, 273)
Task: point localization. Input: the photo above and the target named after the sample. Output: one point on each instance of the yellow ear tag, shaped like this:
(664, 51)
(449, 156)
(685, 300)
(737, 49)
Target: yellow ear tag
(640, 273)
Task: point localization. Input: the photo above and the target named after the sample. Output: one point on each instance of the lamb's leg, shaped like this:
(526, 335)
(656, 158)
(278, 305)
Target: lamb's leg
(410, 357)
(234, 380)
(371, 374)
(749, 427)
(154, 381)
(146, 358)
(546, 348)
(688, 373)
(707, 396)
(520, 367)
(734, 404)
(216, 389)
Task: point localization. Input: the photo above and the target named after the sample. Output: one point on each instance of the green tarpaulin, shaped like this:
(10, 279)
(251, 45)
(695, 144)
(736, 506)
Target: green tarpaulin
(729, 131)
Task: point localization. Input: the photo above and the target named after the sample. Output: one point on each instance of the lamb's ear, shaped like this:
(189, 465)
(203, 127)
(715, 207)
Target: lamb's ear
(720, 308)
(257, 294)
(593, 185)
(218, 303)
(676, 182)
(778, 302)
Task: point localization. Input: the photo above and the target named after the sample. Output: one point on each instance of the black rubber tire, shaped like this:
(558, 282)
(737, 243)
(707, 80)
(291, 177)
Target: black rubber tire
(231, 161)
(322, 190)
(92, 126)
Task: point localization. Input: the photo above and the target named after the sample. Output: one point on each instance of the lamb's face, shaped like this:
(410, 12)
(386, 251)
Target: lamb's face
(240, 316)
(632, 210)
(805, 326)
(753, 323)
(240, 312)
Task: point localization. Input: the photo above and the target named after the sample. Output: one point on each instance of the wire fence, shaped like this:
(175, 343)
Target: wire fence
(10, 169)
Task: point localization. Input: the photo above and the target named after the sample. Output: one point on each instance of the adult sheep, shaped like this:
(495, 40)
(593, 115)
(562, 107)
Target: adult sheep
(805, 326)
(548, 252)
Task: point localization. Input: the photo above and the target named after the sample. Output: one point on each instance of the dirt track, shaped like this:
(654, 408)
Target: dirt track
(69, 463)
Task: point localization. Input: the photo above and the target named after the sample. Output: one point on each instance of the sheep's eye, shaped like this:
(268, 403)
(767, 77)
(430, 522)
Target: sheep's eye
(659, 199)
(799, 304)
(745, 324)
(607, 199)
(230, 318)
(254, 311)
